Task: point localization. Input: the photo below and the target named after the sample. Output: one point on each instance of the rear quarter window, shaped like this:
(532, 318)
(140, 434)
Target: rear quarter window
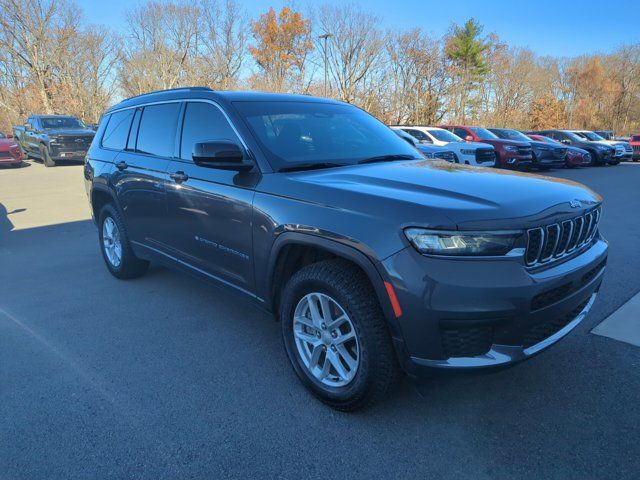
(117, 130)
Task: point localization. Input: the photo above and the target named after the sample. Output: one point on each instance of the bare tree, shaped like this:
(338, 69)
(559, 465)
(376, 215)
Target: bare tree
(355, 48)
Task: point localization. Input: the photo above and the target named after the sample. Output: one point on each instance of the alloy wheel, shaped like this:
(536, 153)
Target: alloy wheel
(111, 242)
(326, 340)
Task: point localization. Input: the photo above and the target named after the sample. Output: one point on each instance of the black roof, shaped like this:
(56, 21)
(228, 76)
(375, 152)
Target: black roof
(221, 96)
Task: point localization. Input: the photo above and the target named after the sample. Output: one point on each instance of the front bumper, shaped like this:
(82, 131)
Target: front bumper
(480, 313)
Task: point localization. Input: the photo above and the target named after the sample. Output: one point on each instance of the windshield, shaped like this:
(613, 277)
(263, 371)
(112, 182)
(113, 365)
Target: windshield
(445, 136)
(483, 133)
(575, 136)
(594, 137)
(293, 133)
(542, 138)
(512, 135)
(60, 122)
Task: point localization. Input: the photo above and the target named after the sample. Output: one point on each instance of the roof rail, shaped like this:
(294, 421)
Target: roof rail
(178, 89)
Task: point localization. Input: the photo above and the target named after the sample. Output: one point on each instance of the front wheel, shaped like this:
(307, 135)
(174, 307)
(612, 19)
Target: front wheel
(336, 336)
(46, 157)
(115, 247)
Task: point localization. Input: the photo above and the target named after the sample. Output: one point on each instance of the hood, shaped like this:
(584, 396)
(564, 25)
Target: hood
(497, 142)
(437, 194)
(70, 131)
(575, 150)
(537, 144)
(476, 145)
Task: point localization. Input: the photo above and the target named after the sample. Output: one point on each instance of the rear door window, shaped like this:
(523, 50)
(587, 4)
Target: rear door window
(157, 131)
(117, 131)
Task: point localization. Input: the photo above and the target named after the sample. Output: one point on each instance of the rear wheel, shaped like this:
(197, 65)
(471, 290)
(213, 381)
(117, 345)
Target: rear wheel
(336, 336)
(115, 247)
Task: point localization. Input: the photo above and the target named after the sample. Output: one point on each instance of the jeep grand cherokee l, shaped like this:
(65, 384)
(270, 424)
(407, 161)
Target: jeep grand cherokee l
(373, 258)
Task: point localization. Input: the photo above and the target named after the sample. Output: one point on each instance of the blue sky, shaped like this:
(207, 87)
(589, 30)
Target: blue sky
(560, 27)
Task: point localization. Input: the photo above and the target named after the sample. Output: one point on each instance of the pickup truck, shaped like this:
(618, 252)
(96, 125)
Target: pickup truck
(53, 137)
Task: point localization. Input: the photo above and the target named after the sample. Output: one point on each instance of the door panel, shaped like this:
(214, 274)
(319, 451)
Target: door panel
(211, 211)
(141, 177)
(210, 217)
(141, 189)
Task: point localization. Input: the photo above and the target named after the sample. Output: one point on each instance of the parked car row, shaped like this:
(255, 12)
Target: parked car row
(509, 148)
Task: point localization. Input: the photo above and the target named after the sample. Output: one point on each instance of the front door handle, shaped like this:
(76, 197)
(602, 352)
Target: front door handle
(121, 165)
(179, 176)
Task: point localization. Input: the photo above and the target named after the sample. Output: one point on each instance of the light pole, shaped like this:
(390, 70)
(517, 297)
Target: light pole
(325, 37)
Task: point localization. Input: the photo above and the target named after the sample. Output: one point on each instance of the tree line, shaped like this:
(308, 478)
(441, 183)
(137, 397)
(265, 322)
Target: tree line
(52, 61)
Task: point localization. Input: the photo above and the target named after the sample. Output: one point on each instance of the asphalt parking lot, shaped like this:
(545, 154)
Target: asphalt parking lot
(167, 377)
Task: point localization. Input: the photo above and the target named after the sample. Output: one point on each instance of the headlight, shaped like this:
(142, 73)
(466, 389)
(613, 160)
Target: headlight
(434, 242)
(511, 148)
(428, 154)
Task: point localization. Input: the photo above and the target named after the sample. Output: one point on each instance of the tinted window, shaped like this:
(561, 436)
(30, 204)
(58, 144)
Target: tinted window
(309, 132)
(202, 122)
(115, 135)
(60, 122)
(483, 133)
(462, 133)
(131, 143)
(157, 132)
(423, 137)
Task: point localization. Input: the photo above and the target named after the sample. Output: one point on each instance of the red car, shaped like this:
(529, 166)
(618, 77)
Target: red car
(10, 153)
(509, 153)
(576, 157)
(634, 141)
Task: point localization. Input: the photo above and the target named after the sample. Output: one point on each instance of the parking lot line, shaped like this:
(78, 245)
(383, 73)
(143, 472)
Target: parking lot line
(623, 324)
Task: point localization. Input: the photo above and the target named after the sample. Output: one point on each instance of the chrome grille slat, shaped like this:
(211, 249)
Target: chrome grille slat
(554, 241)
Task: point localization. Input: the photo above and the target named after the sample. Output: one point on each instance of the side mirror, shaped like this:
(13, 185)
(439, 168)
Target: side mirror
(469, 138)
(28, 127)
(221, 154)
(566, 142)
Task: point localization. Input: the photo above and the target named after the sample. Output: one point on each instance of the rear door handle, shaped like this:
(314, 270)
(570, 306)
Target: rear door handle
(121, 165)
(179, 176)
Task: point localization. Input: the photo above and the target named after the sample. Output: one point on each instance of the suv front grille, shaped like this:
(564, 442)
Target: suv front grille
(524, 151)
(447, 155)
(554, 241)
(484, 155)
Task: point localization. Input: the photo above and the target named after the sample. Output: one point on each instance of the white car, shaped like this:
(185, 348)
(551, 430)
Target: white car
(469, 153)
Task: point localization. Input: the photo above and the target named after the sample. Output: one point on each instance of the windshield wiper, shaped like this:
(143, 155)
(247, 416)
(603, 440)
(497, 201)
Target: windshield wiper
(310, 166)
(389, 158)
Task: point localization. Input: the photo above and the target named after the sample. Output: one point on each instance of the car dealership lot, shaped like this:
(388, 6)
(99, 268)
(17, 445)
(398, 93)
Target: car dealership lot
(166, 377)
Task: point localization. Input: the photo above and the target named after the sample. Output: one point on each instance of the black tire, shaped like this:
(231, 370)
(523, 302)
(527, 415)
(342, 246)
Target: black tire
(46, 158)
(130, 266)
(614, 162)
(378, 368)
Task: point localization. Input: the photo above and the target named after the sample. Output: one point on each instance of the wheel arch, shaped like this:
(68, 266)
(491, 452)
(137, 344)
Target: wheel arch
(283, 263)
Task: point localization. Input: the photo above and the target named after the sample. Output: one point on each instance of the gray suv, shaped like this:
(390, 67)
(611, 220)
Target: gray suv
(374, 259)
